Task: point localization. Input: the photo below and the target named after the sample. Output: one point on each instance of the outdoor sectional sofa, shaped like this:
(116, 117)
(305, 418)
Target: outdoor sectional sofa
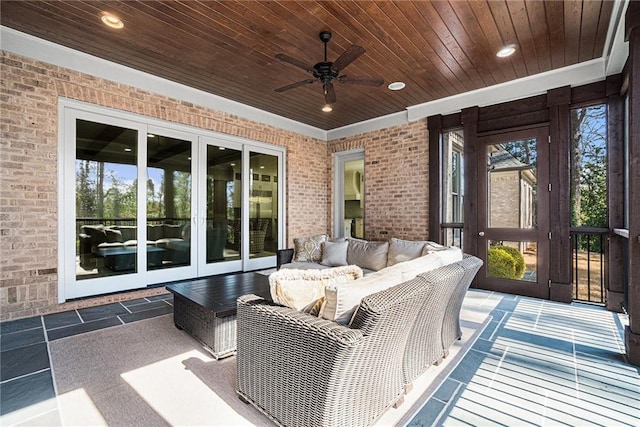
(314, 363)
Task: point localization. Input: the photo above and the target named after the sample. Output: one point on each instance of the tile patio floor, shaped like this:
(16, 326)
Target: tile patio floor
(537, 363)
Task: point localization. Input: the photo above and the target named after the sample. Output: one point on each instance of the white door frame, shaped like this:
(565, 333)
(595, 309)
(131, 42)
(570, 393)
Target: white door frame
(340, 159)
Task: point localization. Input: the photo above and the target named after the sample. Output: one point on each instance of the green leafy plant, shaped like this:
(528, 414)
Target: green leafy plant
(505, 262)
(518, 258)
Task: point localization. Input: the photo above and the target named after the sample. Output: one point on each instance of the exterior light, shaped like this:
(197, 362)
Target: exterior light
(327, 108)
(396, 86)
(506, 51)
(112, 21)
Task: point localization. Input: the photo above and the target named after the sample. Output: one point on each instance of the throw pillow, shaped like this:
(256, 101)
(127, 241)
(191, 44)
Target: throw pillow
(367, 255)
(403, 250)
(308, 249)
(334, 254)
(304, 289)
(113, 236)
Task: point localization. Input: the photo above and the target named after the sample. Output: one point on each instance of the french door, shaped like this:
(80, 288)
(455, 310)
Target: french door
(143, 202)
(513, 212)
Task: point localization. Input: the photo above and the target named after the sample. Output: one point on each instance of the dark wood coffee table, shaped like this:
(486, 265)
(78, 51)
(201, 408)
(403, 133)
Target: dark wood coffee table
(206, 308)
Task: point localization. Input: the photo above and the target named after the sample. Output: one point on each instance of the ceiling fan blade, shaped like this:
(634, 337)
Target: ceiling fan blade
(347, 57)
(329, 93)
(368, 81)
(294, 85)
(294, 61)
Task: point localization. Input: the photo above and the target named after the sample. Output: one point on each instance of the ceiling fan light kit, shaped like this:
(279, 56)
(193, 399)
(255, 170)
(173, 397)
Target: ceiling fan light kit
(326, 72)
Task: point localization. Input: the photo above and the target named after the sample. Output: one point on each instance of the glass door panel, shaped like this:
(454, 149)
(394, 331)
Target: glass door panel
(169, 198)
(263, 205)
(223, 204)
(105, 199)
(513, 213)
(354, 199)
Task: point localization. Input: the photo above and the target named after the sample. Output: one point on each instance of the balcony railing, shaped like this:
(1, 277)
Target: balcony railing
(452, 234)
(588, 263)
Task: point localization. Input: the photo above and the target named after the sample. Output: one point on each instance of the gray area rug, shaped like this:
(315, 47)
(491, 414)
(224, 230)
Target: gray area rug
(149, 373)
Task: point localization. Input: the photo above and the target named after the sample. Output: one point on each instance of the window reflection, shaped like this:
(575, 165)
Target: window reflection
(106, 189)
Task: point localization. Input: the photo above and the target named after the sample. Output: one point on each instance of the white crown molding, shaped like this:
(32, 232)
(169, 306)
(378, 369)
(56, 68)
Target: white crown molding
(42, 50)
(370, 125)
(574, 75)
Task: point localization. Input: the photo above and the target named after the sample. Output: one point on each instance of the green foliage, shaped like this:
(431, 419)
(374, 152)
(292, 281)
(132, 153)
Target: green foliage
(501, 264)
(517, 257)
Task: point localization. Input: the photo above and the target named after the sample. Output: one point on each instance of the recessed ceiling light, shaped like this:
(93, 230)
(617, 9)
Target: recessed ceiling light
(327, 108)
(112, 21)
(396, 86)
(150, 135)
(506, 51)
(127, 149)
(232, 164)
(221, 148)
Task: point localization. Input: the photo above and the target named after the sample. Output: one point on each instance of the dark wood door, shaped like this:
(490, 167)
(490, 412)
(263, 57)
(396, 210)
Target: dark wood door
(513, 212)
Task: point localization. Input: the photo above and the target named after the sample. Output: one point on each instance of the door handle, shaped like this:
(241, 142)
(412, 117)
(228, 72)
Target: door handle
(481, 234)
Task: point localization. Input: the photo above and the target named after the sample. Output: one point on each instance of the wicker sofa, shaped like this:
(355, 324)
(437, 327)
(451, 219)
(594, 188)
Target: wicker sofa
(303, 369)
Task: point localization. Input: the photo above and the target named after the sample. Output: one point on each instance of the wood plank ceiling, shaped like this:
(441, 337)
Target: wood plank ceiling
(228, 48)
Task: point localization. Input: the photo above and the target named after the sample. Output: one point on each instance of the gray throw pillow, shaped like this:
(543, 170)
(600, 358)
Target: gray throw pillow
(404, 250)
(334, 254)
(367, 255)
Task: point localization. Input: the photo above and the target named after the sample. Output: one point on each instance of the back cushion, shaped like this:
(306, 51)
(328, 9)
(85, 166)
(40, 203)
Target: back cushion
(113, 236)
(367, 255)
(341, 300)
(154, 232)
(172, 231)
(410, 269)
(334, 254)
(128, 232)
(449, 255)
(403, 250)
(308, 249)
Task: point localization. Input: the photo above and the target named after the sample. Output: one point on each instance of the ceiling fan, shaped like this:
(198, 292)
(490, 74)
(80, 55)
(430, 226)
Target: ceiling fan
(325, 72)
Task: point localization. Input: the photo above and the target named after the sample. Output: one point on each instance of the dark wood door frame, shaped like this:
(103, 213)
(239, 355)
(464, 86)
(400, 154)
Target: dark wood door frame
(538, 234)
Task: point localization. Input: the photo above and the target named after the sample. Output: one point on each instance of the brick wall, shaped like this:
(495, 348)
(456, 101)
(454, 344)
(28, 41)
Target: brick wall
(396, 180)
(29, 92)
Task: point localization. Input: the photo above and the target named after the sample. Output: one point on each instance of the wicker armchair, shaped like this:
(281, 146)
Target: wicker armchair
(301, 370)
(437, 324)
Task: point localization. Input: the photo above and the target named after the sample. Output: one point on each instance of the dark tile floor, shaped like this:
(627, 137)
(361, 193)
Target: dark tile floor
(26, 385)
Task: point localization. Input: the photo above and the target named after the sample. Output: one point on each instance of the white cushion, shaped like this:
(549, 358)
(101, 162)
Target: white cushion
(342, 299)
(300, 289)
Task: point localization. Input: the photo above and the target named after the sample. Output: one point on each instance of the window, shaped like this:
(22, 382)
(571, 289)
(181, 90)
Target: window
(453, 187)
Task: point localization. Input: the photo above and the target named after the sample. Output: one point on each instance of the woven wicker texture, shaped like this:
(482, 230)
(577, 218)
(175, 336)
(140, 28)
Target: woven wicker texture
(424, 347)
(301, 370)
(218, 334)
(451, 331)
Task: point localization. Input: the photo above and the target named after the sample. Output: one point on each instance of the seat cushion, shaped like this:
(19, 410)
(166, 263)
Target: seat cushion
(303, 289)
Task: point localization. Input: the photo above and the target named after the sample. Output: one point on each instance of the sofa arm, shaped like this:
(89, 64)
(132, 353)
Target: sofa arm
(294, 320)
(288, 360)
(284, 256)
